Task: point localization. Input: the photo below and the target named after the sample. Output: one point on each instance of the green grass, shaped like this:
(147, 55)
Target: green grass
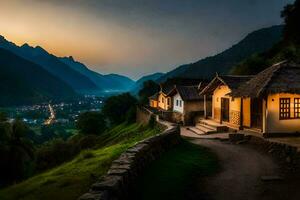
(174, 174)
(71, 179)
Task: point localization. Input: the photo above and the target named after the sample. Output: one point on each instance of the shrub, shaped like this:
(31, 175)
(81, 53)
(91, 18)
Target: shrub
(116, 108)
(91, 123)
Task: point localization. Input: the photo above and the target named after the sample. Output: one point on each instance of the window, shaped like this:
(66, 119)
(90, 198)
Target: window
(177, 102)
(163, 100)
(297, 107)
(168, 101)
(180, 103)
(285, 112)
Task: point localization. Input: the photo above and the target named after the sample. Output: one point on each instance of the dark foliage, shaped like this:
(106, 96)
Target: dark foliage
(286, 49)
(3, 116)
(117, 107)
(55, 152)
(91, 123)
(16, 152)
(291, 15)
(149, 89)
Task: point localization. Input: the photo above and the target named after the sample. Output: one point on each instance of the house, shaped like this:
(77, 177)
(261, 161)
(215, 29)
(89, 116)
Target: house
(153, 100)
(164, 101)
(187, 103)
(224, 108)
(268, 103)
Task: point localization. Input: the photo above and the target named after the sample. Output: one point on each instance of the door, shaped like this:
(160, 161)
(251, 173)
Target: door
(256, 113)
(225, 109)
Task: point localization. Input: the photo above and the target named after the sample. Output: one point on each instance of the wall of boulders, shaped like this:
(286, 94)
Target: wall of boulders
(121, 178)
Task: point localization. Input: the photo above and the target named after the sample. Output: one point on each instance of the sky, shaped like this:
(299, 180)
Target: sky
(135, 37)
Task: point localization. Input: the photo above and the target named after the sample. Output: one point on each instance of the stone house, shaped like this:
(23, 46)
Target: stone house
(268, 103)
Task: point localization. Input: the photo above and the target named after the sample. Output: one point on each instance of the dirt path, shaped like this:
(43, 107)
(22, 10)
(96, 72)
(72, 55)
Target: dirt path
(240, 176)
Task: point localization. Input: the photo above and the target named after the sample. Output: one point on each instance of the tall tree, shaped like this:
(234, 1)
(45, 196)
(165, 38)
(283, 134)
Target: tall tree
(291, 15)
(17, 153)
(149, 89)
(92, 123)
(116, 108)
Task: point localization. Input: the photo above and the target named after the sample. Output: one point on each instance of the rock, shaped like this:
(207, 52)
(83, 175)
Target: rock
(109, 182)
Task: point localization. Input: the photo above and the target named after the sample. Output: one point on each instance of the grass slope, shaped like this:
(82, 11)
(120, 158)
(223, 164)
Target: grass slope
(172, 176)
(73, 178)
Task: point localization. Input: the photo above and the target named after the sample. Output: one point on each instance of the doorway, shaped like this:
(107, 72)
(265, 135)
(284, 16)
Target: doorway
(256, 113)
(225, 109)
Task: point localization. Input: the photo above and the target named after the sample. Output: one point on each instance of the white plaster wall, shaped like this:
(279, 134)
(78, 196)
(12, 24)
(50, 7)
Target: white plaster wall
(176, 107)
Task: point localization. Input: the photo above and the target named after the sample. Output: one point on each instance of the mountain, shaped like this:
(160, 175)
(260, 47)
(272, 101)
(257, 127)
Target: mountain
(139, 83)
(255, 42)
(105, 82)
(24, 82)
(120, 82)
(50, 63)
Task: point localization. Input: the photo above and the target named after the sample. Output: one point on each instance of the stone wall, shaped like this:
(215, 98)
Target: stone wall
(143, 115)
(288, 156)
(123, 173)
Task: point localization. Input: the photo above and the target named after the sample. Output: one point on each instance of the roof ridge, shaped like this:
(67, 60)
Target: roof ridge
(278, 66)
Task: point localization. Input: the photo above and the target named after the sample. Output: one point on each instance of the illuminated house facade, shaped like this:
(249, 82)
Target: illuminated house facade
(268, 103)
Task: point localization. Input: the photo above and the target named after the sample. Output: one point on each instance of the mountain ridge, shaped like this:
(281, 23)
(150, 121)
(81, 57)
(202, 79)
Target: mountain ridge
(24, 82)
(255, 42)
(49, 62)
(105, 82)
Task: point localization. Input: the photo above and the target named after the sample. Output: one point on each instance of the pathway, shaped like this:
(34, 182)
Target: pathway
(241, 176)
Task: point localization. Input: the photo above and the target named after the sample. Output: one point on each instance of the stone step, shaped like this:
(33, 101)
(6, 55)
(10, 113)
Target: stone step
(206, 126)
(205, 130)
(196, 130)
(215, 125)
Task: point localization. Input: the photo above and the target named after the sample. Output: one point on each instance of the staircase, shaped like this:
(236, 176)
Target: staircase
(206, 126)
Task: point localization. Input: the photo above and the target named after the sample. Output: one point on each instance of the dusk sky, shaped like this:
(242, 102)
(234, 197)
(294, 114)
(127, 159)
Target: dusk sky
(135, 37)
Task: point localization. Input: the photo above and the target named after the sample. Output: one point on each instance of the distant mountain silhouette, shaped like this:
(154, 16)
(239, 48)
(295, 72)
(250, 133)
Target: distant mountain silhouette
(105, 82)
(255, 42)
(139, 83)
(24, 82)
(50, 63)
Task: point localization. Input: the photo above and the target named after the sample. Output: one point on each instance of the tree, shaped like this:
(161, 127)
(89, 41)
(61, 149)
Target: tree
(91, 123)
(116, 108)
(17, 153)
(149, 89)
(291, 16)
(3, 116)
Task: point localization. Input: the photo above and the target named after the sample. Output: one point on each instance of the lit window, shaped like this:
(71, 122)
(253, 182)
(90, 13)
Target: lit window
(285, 112)
(297, 107)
